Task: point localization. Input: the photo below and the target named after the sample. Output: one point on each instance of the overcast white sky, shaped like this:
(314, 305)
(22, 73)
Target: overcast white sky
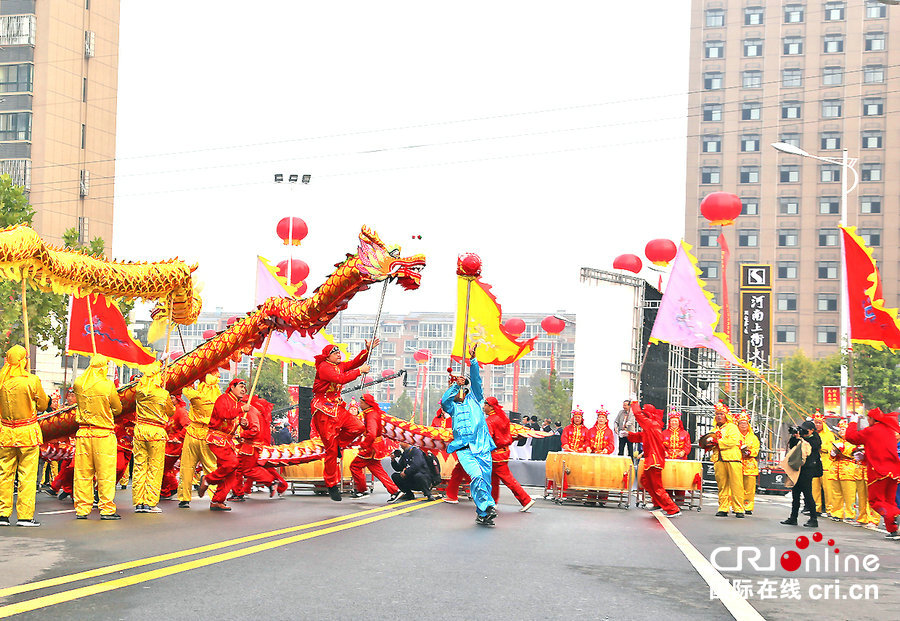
(543, 136)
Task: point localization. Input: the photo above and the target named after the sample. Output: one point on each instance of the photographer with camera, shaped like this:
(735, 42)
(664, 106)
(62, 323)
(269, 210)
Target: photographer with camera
(810, 445)
(412, 472)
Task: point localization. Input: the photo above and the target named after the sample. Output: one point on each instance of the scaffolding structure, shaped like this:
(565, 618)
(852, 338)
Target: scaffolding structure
(699, 378)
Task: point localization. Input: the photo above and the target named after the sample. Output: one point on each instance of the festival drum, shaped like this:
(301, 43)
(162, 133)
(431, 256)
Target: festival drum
(680, 474)
(551, 467)
(592, 471)
(347, 459)
(311, 471)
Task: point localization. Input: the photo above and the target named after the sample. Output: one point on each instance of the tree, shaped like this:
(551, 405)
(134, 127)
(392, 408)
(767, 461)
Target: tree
(270, 385)
(301, 374)
(552, 396)
(878, 377)
(798, 381)
(402, 407)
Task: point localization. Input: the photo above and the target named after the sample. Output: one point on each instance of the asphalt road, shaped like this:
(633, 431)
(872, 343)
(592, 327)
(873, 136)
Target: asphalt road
(363, 559)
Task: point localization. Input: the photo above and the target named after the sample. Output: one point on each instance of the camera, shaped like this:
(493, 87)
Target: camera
(397, 454)
(794, 430)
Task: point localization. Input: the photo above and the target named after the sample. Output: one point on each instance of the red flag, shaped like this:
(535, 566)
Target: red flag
(111, 333)
(870, 321)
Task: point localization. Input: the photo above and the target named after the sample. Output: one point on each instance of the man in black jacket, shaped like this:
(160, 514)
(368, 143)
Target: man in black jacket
(811, 468)
(412, 472)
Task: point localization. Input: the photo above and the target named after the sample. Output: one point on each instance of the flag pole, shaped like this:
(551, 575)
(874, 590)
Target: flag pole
(25, 319)
(466, 325)
(259, 368)
(91, 320)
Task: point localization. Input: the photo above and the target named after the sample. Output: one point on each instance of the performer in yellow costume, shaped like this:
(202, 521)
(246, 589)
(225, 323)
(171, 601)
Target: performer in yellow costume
(726, 457)
(95, 441)
(153, 407)
(21, 398)
(842, 476)
(822, 493)
(195, 449)
(749, 464)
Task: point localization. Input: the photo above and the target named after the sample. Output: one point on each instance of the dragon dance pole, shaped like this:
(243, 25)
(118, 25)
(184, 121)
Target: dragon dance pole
(362, 378)
(91, 320)
(25, 319)
(259, 368)
(466, 325)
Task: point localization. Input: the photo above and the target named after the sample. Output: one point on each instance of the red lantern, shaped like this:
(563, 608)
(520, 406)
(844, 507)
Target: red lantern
(630, 262)
(515, 326)
(299, 270)
(291, 231)
(231, 321)
(660, 251)
(387, 373)
(175, 355)
(721, 208)
(208, 334)
(301, 289)
(423, 355)
(468, 264)
(553, 325)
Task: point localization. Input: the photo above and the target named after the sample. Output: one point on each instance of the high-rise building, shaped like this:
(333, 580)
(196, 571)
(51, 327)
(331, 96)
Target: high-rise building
(816, 75)
(59, 64)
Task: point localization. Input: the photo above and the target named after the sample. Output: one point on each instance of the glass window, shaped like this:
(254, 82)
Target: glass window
(873, 106)
(715, 18)
(790, 110)
(16, 78)
(787, 269)
(715, 49)
(830, 205)
(831, 108)
(793, 13)
(833, 76)
(750, 143)
(749, 206)
(749, 174)
(871, 237)
(828, 238)
(871, 139)
(834, 11)
(712, 144)
(830, 140)
(753, 47)
(875, 9)
(870, 204)
(829, 173)
(788, 206)
(751, 79)
(870, 172)
(834, 44)
(708, 269)
(791, 78)
(710, 174)
(789, 173)
(708, 239)
(826, 335)
(875, 41)
(827, 270)
(786, 301)
(873, 74)
(785, 334)
(15, 126)
(712, 80)
(753, 16)
(750, 111)
(712, 112)
(792, 45)
(791, 138)
(827, 302)
(788, 238)
(748, 238)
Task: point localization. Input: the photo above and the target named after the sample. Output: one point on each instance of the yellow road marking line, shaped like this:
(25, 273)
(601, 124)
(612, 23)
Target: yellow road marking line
(739, 607)
(101, 571)
(67, 596)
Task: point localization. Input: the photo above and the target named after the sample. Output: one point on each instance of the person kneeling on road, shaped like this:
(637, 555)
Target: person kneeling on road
(412, 472)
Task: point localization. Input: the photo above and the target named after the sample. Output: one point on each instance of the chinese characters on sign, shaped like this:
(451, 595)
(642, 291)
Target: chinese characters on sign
(756, 315)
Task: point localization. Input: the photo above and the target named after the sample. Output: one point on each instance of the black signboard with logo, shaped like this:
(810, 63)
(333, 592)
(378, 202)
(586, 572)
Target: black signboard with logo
(756, 314)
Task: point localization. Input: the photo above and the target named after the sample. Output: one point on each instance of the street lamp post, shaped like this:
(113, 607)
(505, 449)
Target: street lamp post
(846, 163)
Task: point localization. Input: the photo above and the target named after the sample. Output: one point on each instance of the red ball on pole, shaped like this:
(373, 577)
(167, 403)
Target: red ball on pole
(299, 270)
(721, 208)
(515, 326)
(630, 262)
(553, 325)
(468, 264)
(291, 231)
(660, 251)
(422, 355)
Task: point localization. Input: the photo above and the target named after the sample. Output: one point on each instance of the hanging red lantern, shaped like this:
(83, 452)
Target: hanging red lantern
(387, 373)
(301, 289)
(175, 355)
(208, 334)
(231, 321)
(299, 270)
(514, 326)
(468, 264)
(291, 231)
(660, 251)
(721, 208)
(630, 262)
(553, 325)
(422, 355)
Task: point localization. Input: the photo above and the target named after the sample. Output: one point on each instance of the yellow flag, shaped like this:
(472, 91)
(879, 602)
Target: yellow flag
(495, 344)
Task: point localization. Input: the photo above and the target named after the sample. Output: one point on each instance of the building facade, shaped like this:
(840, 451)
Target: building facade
(820, 75)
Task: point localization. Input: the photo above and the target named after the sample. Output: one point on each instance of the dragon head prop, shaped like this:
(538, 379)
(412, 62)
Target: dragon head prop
(379, 262)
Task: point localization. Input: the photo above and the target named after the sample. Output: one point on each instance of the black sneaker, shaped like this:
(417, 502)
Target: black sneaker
(394, 497)
(484, 520)
(748, 512)
(335, 492)
(491, 512)
(110, 516)
(32, 522)
(81, 517)
(184, 504)
(738, 515)
(721, 513)
(408, 496)
(356, 494)
(894, 535)
(62, 495)
(811, 524)
(4, 521)
(790, 521)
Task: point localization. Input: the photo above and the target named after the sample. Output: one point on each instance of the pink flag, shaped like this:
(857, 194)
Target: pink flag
(296, 348)
(687, 315)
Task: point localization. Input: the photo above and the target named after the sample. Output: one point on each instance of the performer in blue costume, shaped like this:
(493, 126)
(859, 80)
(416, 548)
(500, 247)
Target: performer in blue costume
(472, 441)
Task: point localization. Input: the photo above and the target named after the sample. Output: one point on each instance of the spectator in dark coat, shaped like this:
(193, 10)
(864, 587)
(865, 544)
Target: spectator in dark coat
(811, 469)
(412, 472)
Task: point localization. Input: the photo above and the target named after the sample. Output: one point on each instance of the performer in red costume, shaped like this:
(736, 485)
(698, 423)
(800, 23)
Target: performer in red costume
(498, 426)
(228, 409)
(650, 420)
(255, 434)
(124, 439)
(575, 435)
(176, 428)
(336, 426)
(882, 463)
(601, 438)
(371, 452)
(676, 439)
(64, 480)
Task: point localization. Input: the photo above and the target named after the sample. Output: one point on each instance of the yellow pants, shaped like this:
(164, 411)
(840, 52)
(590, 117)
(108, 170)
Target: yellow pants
(749, 491)
(843, 495)
(54, 470)
(865, 513)
(146, 477)
(95, 456)
(822, 494)
(730, 481)
(193, 451)
(24, 460)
